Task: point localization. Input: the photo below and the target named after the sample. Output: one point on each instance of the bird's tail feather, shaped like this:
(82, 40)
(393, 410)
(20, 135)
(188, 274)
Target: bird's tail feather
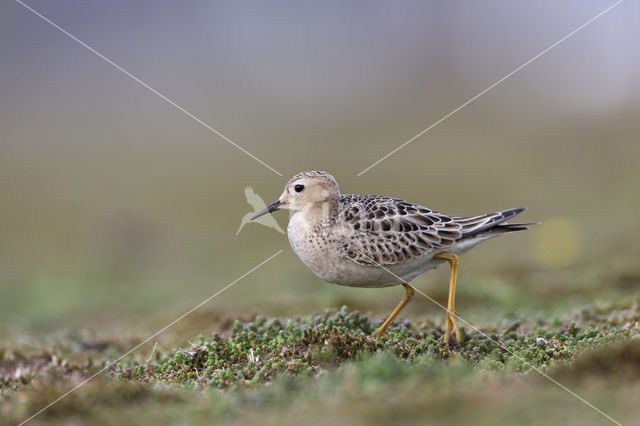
(491, 224)
(508, 227)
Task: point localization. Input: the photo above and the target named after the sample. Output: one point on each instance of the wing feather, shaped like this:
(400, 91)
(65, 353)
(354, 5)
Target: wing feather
(386, 231)
(378, 230)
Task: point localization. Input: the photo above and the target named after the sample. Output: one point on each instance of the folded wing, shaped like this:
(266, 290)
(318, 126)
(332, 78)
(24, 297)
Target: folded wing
(385, 231)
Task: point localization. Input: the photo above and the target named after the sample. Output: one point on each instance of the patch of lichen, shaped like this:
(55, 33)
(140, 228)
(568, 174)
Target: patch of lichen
(259, 351)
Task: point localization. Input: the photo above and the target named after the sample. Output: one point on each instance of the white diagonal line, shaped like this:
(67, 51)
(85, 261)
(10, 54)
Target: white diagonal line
(500, 344)
(145, 85)
(151, 337)
(525, 361)
(492, 86)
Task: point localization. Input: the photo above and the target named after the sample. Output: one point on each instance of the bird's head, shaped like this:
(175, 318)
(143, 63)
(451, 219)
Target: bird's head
(305, 191)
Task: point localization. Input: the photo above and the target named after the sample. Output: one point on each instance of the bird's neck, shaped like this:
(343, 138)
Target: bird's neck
(322, 212)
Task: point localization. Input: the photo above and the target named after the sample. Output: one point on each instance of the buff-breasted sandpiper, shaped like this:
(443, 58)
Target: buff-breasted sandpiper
(375, 241)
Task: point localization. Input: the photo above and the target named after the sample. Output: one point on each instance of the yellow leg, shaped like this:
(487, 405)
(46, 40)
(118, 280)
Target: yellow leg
(454, 262)
(408, 294)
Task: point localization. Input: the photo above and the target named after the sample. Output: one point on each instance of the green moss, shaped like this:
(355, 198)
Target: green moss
(252, 370)
(259, 351)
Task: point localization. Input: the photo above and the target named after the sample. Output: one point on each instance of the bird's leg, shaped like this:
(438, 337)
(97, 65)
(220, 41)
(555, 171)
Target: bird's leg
(408, 294)
(454, 262)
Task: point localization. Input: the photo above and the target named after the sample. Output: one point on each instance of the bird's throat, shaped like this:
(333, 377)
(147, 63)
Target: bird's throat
(321, 212)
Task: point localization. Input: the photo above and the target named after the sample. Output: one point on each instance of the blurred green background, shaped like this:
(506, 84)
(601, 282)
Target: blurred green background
(116, 208)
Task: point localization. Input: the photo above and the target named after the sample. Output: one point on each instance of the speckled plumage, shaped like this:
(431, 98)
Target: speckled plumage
(375, 241)
(357, 240)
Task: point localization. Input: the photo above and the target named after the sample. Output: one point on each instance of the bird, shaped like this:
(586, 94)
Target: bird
(255, 201)
(377, 241)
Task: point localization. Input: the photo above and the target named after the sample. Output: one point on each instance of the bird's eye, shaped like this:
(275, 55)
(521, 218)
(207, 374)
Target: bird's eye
(298, 187)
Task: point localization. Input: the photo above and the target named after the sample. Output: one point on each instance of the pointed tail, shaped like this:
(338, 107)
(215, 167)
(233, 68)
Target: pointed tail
(492, 223)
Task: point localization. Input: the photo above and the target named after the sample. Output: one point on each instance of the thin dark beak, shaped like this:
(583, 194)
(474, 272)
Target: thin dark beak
(269, 209)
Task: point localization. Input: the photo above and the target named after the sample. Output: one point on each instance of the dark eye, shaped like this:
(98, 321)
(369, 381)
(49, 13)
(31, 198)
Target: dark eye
(298, 188)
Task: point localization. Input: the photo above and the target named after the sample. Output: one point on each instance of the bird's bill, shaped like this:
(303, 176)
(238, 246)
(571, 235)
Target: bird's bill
(269, 209)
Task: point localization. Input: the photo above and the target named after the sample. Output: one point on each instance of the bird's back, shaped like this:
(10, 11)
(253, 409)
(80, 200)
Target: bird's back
(378, 230)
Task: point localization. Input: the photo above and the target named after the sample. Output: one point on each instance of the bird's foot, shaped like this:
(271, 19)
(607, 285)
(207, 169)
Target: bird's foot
(452, 325)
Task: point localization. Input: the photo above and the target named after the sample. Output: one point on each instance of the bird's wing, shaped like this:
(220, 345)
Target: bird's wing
(385, 231)
(254, 199)
(490, 223)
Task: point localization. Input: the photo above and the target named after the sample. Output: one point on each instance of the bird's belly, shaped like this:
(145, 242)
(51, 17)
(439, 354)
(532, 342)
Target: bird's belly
(321, 257)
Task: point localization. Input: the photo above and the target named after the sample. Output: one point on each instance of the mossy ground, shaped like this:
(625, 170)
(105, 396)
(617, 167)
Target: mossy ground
(326, 368)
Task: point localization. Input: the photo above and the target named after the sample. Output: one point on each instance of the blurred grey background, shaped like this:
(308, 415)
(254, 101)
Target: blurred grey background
(114, 202)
